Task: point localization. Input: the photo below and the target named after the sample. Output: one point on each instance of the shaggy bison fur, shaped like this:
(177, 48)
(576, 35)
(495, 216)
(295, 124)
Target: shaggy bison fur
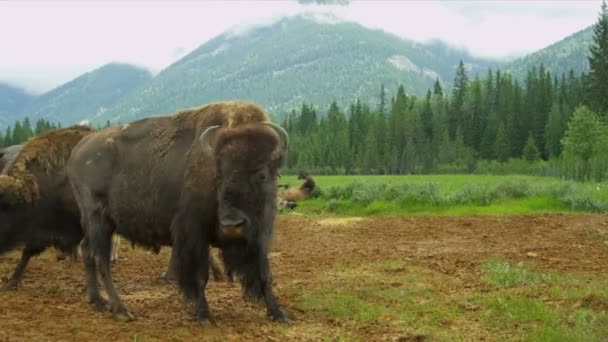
(37, 208)
(201, 177)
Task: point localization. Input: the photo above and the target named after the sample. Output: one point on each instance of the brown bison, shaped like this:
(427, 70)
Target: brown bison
(201, 177)
(291, 195)
(37, 208)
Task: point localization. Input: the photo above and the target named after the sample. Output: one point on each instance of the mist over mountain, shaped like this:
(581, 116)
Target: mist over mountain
(299, 59)
(307, 58)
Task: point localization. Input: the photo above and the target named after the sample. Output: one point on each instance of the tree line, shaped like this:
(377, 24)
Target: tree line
(556, 121)
(23, 130)
(491, 118)
(548, 117)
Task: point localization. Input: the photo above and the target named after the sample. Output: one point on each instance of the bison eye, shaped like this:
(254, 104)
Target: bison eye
(261, 176)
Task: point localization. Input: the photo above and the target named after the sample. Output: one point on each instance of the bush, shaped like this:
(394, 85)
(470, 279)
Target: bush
(366, 194)
(428, 192)
(332, 205)
(584, 202)
(473, 194)
(513, 188)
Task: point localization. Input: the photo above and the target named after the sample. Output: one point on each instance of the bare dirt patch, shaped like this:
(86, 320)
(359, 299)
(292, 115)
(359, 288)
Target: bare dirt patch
(50, 305)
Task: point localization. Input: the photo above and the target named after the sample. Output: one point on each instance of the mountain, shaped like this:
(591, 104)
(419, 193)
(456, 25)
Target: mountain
(12, 102)
(568, 53)
(88, 95)
(294, 60)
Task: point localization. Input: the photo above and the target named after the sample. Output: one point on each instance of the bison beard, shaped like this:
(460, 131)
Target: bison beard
(202, 177)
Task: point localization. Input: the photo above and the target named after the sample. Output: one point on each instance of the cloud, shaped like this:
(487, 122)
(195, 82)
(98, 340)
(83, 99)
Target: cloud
(45, 44)
(324, 2)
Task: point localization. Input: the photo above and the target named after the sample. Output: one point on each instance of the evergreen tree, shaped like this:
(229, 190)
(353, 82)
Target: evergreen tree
(458, 95)
(382, 105)
(554, 131)
(585, 137)
(18, 133)
(598, 65)
(437, 89)
(370, 155)
(8, 137)
(531, 152)
(501, 145)
(427, 117)
(488, 141)
(27, 128)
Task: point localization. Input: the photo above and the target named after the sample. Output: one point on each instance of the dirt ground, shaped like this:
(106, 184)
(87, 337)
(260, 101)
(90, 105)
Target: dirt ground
(50, 305)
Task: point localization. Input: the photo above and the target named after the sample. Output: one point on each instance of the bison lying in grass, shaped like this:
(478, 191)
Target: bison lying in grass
(200, 177)
(37, 208)
(290, 197)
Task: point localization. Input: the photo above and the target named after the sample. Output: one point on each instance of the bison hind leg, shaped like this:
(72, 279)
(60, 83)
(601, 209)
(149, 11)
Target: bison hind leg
(99, 235)
(216, 267)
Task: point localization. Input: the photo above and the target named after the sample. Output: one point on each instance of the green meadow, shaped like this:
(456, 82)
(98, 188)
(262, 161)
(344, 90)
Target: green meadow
(450, 195)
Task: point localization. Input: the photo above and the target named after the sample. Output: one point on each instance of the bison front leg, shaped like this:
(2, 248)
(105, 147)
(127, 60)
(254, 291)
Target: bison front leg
(192, 263)
(13, 282)
(275, 311)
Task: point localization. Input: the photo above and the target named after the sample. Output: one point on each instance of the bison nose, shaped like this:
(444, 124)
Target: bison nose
(233, 227)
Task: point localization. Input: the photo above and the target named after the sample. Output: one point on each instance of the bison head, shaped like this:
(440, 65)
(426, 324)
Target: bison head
(16, 196)
(247, 159)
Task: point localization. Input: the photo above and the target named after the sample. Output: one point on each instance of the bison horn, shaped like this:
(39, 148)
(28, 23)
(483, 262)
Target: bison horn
(207, 134)
(282, 150)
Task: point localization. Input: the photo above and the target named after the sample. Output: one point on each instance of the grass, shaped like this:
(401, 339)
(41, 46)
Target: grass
(545, 306)
(510, 302)
(452, 195)
(387, 294)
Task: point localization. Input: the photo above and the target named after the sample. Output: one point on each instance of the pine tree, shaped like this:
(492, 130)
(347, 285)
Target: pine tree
(488, 140)
(458, 95)
(585, 137)
(554, 131)
(8, 137)
(437, 89)
(598, 65)
(531, 152)
(18, 133)
(382, 105)
(427, 117)
(501, 145)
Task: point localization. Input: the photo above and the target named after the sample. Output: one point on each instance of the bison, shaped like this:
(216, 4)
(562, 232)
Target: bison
(37, 208)
(200, 177)
(290, 197)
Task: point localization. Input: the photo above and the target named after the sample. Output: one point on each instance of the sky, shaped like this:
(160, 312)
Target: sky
(45, 44)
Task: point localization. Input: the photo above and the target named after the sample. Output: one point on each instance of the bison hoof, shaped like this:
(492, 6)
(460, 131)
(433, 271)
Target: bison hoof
(10, 285)
(99, 303)
(205, 323)
(123, 316)
(280, 316)
(167, 277)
